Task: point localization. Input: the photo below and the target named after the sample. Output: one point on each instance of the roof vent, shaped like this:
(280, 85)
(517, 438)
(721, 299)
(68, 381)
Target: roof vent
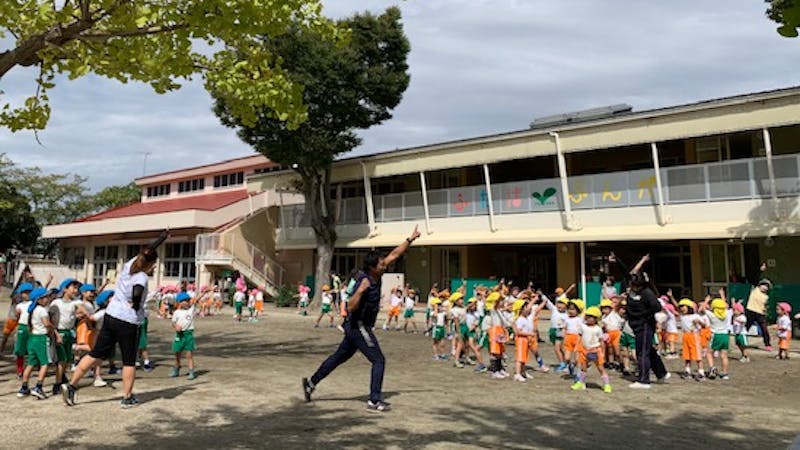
(582, 116)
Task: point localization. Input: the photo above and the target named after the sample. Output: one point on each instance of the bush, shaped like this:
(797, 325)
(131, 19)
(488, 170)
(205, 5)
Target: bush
(285, 297)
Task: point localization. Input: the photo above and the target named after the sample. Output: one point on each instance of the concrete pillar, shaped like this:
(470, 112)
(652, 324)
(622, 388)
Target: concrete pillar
(567, 264)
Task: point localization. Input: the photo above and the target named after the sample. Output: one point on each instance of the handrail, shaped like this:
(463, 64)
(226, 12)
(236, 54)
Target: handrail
(220, 247)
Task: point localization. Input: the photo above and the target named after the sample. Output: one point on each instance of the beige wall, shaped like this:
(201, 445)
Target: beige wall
(298, 265)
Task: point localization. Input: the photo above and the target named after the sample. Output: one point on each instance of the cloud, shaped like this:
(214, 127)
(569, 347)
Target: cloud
(477, 67)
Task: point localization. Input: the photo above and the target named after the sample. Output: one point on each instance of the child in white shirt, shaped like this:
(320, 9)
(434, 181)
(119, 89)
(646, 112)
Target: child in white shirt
(590, 351)
(784, 329)
(183, 322)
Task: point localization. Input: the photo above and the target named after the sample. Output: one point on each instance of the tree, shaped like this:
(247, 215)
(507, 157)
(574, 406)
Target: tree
(787, 14)
(18, 227)
(158, 43)
(348, 86)
(114, 196)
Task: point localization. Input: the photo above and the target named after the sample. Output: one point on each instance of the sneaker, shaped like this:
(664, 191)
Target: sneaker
(378, 406)
(626, 373)
(56, 389)
(23, 392)
(744, 359)
(458, 364)
(113, 370)
(147, 367)
(578, 386)
(496, 376)
(520, 378)
(607, 388)
(768, 348)
(724, 376)
(544, 368)
(340, 328)
(638, 385)
(437, 358)
(129, 402)
(308, 389)
(99, 382)
(175, 372)
(68, 394)
(138, 364)
(700, 377)
(480, 368)
(505, 374)
(38, 393)
(663, 380)
(191, 375)
(712, 374)
(686, 374)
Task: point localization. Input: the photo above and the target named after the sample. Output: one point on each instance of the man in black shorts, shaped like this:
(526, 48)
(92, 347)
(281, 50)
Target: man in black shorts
(363, 308)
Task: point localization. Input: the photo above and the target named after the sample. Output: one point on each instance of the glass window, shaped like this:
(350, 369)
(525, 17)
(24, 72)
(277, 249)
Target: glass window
(179, 261)
(105, 259)
(73, 257)
(158, 191)
(131, 251)
(228, 179)
(197, 184)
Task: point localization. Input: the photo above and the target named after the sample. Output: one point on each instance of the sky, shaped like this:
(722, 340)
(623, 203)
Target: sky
(477, 67)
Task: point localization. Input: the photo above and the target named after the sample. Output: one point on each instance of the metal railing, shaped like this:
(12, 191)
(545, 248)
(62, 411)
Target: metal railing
(718, 181)
(231, 249)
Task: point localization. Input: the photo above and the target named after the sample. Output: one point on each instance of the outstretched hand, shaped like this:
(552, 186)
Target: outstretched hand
(415, 234)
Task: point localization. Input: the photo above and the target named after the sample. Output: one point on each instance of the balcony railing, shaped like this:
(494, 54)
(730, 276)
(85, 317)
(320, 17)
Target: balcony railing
(233, 250)
(719, 181)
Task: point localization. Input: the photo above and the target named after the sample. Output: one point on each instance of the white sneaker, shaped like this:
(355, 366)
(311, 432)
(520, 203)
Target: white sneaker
(496, 376)
(637, 385)
(520, 378)
(99, 382)
(665, 378)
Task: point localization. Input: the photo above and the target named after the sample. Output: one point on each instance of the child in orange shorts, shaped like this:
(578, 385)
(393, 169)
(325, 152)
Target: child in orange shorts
(259, 303)
(784, 329)
(612, 325)
(498, 336)
(591, 350)
(691, 343)
(523, 335)
(572, 332)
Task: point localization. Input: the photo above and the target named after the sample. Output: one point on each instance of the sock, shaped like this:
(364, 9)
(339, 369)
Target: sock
(540, 361)
(146, 362)
(25, 385)
(20, 364)
(605, 380)
(39, 384)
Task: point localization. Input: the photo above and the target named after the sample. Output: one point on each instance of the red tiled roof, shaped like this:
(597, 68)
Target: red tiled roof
(207, 202)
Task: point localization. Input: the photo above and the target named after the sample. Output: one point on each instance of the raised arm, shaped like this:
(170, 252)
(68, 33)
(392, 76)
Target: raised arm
(399, 250)
(638, 267)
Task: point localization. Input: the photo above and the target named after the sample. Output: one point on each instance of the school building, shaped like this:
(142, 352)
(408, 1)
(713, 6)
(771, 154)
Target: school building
(709, 189)
(216, 227)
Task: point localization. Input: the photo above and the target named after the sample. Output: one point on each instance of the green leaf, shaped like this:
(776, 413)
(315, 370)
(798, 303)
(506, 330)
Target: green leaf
(788, 31)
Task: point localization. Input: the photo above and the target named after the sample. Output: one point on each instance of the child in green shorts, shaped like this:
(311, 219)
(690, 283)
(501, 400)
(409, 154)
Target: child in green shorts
(183, 322)
(408, 310)
(41, 332)
(438, 331)
(627, 341)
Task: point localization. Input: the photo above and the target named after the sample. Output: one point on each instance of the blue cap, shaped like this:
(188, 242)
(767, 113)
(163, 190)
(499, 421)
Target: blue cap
(53, 291)
(88, 287)
(34, 296)
(183, 297)
(102, 298)
(24, 287)
(67, 282)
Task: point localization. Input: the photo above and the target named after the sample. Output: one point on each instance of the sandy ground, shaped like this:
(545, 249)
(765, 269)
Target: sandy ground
(248, 396)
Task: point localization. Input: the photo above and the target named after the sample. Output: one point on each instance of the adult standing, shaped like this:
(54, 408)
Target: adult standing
(757, 304)
(641, 312)
(121, 323)
(363, 307)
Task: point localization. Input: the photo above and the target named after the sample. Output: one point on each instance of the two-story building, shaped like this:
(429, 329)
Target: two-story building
(709, 189)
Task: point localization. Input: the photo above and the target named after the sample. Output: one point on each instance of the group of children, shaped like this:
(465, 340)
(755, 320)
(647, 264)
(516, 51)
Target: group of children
(584, 338)
(55, 327)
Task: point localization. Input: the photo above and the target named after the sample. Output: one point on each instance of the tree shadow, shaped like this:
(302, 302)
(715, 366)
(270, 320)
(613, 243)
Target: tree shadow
(769, 218)
(308, 425)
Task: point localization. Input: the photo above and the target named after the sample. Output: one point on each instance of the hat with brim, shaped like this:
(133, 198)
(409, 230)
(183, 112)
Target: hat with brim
(24, 287)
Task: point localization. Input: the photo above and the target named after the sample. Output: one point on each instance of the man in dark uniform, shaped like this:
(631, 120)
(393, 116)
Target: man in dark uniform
(363, 308)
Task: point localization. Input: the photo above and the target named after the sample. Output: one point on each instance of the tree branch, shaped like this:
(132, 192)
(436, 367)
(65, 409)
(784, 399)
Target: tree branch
(134, 32)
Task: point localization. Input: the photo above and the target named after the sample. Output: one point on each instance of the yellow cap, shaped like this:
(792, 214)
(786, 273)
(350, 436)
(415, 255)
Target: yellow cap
(562, 299)
(579, 303)
(456, 296)
(687, 302)
(718, 303)
(472, 300)
(325, 287)
(517, 306)
(491, 299)
(593, 311)
(606, 302)
(436, 301)
(444, 294)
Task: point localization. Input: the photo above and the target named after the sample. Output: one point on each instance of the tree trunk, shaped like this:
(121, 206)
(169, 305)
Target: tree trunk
(324, 259)
(316, 190)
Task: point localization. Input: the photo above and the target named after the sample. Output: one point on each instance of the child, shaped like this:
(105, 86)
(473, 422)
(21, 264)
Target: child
(523, 334)
(720, 320)
(251, 304)
(21, 310)
(41, 333)
(438, 330)
(183, 322)
(784, 329)
(558, 320)
(739, 330)
(591, 350)
(473, 322)
(459, 316)
(705, 330)
(498, 336)
(302, 294)
(612, 325)
(395, 305)
(609, 290)
(327, 305)
(572, 332)
(12, 319)
(408, 313)
(217, 300)
(670, 331)
(88, 335)
(433, 294)
(259, 303)
(627, 341)
(238, 302)
(65, 311)
(691, 345)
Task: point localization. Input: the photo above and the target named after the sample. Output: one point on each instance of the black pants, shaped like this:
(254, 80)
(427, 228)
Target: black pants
(647, 356)
(761, 320)
(115, 332)
(356, 337)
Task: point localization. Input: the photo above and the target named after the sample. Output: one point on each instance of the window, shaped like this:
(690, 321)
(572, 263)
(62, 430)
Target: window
(269, 169)
(179, 261)
(229, 179)
(73, 257)
(158, 191)
(198, 184)
(105, 259)
(131, 251)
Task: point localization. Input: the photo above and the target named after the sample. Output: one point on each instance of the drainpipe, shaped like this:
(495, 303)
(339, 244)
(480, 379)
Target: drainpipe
(572, 224)
(368, 198)
(488, 182)
(424, 185)
(583, 272)
(662, 217)
(773, 190)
